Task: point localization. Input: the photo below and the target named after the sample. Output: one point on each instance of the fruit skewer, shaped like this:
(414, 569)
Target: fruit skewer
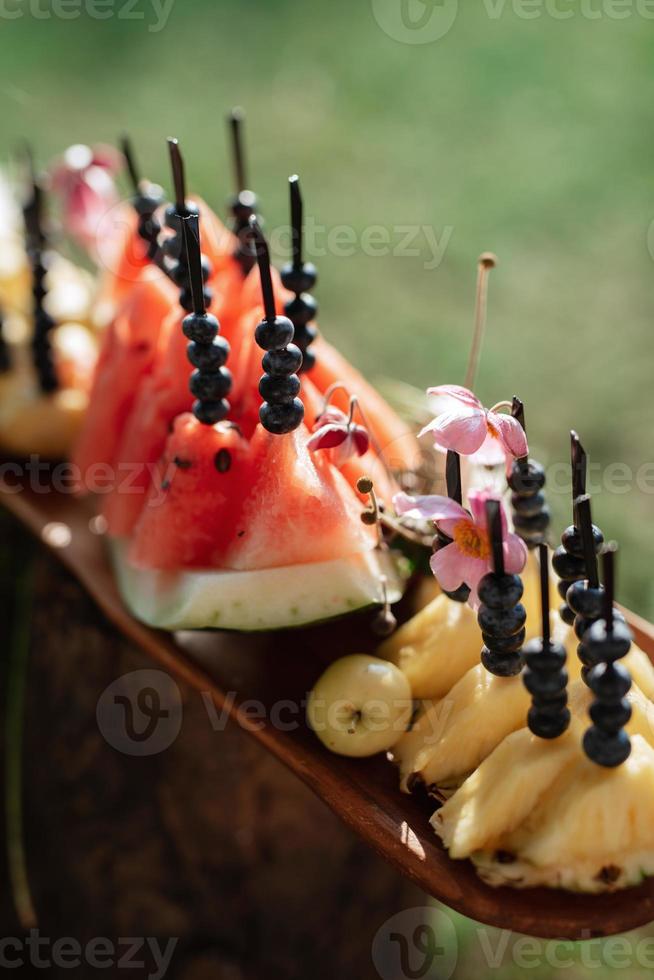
(531, 515)
(210, 382)
(244, 203)
(43, 323)
(568, 561)
(501, 615)
(147, 197)
(607, 641)
(281, 411)
(299, 277)
(545, 676)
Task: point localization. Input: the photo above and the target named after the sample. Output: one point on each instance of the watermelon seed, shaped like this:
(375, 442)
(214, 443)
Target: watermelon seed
(240, 534)
(223, 460)
(165, 484)
(183, 464)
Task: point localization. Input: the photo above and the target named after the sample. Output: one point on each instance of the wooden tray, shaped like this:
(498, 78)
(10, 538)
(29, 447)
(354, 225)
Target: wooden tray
(235, 668)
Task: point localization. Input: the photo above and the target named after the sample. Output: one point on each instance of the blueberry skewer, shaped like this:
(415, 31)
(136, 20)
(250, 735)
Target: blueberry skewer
(244, 203)
(282, 411)
(568, 561)
(5, 359)
(173, 246)
(211, 381)
(607, 641)
(585, 597)
(146, 198)
(501, 615)
(299, 277)
(454, 492)
(545, 676)
(43, 322)
(531, 515)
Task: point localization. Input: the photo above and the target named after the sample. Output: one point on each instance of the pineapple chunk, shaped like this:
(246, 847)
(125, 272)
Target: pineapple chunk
(436, 647)
(504, 817)
(591, 832)
(453, 735)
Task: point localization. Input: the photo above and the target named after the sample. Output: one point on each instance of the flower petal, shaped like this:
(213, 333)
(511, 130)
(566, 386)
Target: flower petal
(491, 452)
(458, 393)
(515, 554)
(511, 434)
(361, 440)
(462, 431)
(447, 565)
(431, 507)
(327, 437)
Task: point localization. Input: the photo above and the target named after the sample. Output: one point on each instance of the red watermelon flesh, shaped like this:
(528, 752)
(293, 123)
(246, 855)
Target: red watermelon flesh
(127, 355)
(297, 509)
(193, 506)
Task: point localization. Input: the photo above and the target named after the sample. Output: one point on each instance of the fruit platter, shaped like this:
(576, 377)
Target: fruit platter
(468, 695)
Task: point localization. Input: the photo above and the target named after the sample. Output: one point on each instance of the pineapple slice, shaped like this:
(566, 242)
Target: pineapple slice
(453, 735)
(441, 642)
(507, 818)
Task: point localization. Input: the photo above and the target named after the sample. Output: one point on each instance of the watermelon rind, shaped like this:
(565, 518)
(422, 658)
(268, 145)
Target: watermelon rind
(251, 601)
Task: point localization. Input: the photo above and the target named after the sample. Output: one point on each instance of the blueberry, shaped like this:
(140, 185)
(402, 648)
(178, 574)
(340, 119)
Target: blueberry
(611, 716)
(301, 310)
(502, 665)
(281, 362)
(584, 600)
(581, 626)
(538, 658)
(274, 334)
(278, 390)
(547, 725)
(502, 622)
(608, 647)
(208, 357)
(299, 280)
(200, 327)
(528, 506)
(459, 595)
(532, 527)
(505, 644)
(527, 480)
(571, 540)
(566, 614)
(609, 682)
(568, 566)
(211, 385)
(281, 418)
(541, 683)
(500, 591)
(309, 361)
(210, 412)
(186, 298)
(606, 749)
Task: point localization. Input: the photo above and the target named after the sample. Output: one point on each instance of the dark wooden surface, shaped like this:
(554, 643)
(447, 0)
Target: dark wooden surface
(231, 669)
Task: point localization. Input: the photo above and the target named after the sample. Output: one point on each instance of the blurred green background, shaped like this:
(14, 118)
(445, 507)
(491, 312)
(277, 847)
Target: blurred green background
(527, 135)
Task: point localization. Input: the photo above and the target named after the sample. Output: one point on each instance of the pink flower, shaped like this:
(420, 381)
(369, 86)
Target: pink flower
(84, 179)
(468, 558)
(335, 431)
(469, 429)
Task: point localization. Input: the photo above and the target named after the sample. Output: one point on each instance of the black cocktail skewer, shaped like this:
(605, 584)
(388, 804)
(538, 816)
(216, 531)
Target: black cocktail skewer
(605, 642)
(244, 203)
(568, 561)
(531, 515)
(282, 411)
(501, 615)
(545, 676)
(146, 198)
(211, 381)
(36, 250)
(173, 245)
(5, 358)
(299, 277)
(454, 492)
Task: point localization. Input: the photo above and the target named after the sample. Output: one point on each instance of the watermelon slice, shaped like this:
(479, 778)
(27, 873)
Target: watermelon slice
(126, 357)
(230, 526)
